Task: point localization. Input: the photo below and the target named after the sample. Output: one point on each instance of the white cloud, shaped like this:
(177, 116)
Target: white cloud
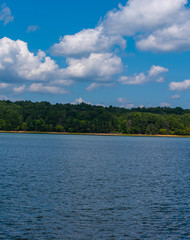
(143, 16)
(79, 101)
(20, 66)
(180, 86)
(122, 100)
(97, 67)
(156, 71)
(38, 87)
(165, 104)
(94, 86)
(154, 74)
(86, 41)
(18, 62)
(175, 96)
(158, 25)
(173, 38)
(20, 89)
(33, 28)
(4, 85)
(5, 14)
(134, 80)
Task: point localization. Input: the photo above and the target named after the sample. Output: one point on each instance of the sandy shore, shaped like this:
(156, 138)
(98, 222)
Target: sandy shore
(95, 134)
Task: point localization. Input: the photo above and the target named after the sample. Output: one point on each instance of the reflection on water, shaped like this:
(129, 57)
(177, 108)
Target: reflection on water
(94, 187)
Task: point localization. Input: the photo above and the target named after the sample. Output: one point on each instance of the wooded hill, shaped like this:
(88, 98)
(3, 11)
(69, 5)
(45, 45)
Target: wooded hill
(84, 118)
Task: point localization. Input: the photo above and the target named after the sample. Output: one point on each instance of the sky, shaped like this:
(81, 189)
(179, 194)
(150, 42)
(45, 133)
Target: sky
(129, 54)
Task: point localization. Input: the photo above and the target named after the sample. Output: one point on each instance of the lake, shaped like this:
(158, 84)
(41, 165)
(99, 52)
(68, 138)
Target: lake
(94, 187)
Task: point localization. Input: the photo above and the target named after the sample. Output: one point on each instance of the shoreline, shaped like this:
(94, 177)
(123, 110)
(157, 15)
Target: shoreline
(95, 134)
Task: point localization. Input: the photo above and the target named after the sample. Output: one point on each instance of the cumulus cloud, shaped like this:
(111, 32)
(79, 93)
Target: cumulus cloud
(173, 38)
(86, 41)
(154, 74)
(33, 28)
(79, 101)
(98, 67)
(5, 14)
(180, 86)
(20, 66)
(19, 89)
(142, 16)
(38, 87)
(18, 62)
(158, 25)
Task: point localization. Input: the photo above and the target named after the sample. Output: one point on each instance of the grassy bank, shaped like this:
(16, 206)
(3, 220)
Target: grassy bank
(95, 134)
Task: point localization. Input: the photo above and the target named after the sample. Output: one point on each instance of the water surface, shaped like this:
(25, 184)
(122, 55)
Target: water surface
(94, 187)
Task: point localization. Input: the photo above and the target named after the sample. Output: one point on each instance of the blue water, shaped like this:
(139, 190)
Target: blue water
(94, 187)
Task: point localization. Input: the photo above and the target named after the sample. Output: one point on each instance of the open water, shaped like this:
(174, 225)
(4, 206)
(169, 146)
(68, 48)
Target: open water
(94, 187)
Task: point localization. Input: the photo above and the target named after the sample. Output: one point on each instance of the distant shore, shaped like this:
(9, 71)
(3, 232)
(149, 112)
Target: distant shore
(95, 134)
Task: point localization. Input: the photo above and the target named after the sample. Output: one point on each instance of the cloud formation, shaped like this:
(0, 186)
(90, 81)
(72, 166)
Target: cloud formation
(5, 14)
(22, 70)
(19, 65)
(180, 86)
(96, 67)
(85, 42)
(157, 25)
(154, 74)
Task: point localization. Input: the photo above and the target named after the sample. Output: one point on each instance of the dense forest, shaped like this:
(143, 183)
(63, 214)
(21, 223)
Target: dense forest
(85, 118)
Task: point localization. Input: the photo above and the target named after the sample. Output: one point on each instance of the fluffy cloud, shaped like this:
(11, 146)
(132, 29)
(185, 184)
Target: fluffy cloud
(158, 25)
(173, 38)
(142, 16)
(18, 62)
(19, 65)
(5, 14)
(154, 74)
(86, 41)
(180, 86)
(79, 101)
(98, 67)
(26, 71)
(19, 89)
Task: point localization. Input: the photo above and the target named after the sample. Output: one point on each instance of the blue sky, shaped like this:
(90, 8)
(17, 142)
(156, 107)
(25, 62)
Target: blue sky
(122, 53)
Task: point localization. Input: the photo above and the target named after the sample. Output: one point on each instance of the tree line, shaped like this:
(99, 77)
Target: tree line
(85, 118)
